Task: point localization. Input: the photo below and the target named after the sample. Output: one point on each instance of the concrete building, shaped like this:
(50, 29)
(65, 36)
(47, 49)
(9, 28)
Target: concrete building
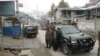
(68, 15)
(91, 3)
(88, 17)
(61, 15)
(91, 22)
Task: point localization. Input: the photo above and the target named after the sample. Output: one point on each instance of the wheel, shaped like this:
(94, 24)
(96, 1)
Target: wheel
(34, 36)
(87, 51)
(98, 53)
(27, 36)
(66, 49)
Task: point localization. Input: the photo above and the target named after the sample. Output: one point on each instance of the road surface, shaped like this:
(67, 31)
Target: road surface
(33, 44)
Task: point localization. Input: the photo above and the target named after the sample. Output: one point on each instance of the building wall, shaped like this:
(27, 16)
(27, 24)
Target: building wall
(90, 25)
(58, 16)
(73, 15)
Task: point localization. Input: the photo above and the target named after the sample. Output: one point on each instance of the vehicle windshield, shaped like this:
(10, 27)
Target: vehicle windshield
(29, 27)
(69, 30)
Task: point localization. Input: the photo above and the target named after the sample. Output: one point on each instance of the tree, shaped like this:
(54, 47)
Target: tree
(52, 6)
(51, 12)
(63, 4)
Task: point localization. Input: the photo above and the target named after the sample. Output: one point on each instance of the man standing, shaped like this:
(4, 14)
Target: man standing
(59, 35)
(54, 38)
(48, 37)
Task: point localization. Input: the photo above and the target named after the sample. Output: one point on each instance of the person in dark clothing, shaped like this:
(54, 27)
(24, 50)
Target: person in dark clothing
(59, 38)
(54, 39)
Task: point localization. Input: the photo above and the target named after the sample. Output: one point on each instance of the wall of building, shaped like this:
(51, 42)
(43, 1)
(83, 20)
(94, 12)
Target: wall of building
(61, 18)
(89, 26)
(58, 16)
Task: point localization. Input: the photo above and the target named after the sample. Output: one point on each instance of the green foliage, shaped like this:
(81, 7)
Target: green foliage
(51, 12)
(63, 4)
(52, 6)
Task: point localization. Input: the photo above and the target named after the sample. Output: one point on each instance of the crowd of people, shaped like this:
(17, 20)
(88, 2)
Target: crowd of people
(52, 37)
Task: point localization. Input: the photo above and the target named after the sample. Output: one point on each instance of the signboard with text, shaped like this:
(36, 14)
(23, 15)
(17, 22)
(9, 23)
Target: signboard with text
(7, 8)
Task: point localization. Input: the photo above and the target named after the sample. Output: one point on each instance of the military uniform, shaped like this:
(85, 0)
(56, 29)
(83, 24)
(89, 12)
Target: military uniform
(54, 39)
(48, 37)
(59, 35)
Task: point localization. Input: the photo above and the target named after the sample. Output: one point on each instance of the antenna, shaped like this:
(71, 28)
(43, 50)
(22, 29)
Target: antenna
(37, 10)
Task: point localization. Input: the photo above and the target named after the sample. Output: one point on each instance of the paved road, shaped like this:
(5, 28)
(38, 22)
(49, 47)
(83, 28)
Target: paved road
(41, 36)
(33, 44)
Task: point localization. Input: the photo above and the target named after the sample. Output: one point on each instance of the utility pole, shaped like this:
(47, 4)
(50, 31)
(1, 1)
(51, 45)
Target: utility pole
(17, 7)
(37, 13)
(98, 54)
(17, 14)
(95, 19)
(2, 33)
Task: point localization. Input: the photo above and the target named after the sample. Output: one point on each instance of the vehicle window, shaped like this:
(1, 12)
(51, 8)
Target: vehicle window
(30, 27)
(69, 30)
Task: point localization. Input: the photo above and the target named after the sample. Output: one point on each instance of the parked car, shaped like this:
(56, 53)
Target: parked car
(73, 40)
(30, 31)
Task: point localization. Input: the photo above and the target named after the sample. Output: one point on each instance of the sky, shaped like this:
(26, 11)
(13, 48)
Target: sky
(30, 6)
(37, 8)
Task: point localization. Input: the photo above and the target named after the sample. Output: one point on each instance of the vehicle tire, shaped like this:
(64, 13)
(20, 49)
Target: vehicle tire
(66, 49)
(34, 36)
(98, 53)
(27, 36)
(87, 51)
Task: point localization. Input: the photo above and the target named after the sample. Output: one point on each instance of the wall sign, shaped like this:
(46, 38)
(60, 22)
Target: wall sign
(7, 8)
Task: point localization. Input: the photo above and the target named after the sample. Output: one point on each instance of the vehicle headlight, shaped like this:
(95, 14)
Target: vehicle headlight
(74, 42)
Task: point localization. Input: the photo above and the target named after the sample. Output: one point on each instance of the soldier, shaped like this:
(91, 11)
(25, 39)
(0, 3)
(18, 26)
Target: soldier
(54, 38)
(59, 35)
(48, 37)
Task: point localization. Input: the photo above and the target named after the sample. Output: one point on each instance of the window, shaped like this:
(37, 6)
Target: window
(93, 14)
(64, 14)
(98, 13)
(87, 14)
(90, 14)
(80, 12)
